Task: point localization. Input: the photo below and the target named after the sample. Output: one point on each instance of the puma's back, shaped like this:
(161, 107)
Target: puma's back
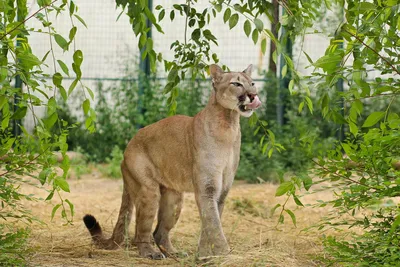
(167, 146)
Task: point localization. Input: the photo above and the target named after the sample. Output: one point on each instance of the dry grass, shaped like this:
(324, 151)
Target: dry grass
(250, 231)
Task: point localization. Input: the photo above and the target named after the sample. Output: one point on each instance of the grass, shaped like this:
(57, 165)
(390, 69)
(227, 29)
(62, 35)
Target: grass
(247, 222)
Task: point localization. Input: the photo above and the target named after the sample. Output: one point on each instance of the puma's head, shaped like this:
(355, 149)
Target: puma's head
(235, 90)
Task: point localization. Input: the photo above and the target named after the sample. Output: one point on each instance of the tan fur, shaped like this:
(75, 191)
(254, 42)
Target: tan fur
(184, 154)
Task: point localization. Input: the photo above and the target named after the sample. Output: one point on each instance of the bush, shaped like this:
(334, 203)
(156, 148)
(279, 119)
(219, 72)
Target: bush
(13, 248)
(112, 168)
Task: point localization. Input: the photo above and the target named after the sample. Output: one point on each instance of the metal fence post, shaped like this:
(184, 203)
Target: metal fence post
(18, 84)
(283, 82)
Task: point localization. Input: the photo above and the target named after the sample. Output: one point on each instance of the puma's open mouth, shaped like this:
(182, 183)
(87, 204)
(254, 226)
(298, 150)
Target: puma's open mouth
(244, 108)
(254, 103)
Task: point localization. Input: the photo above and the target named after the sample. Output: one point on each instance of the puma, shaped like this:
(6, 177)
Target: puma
(179, 154)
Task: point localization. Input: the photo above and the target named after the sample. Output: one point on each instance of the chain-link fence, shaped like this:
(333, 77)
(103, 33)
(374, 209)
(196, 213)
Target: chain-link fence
(111, 53)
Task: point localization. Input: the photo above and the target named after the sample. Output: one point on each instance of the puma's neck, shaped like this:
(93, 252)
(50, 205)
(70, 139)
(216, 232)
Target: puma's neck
(223, 117)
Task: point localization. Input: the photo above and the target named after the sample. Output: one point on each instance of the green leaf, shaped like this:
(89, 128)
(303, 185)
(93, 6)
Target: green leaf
(63, 92)
(196, 35)
(259, 24)
(233, 20)
(254, 36)
(353, 128)
(274, 208)
(373, 118)
(309, 104)
(72, 86)
(297, 201)
(328, 62)
(307, 183)
(63, 67)
(78, 57)
(291, 85)
(301, 106)
(53, 212)
(264, 46)
(50, 196)
(161, 15)
(208, 35)
(308, 58)
(81, 20)
(45, 56)
(61, 41)
(168, 87)
(77, 70)
(71, 8)
(253, 119)
(284, 188)
(43, 175)
(72, 33)
(172, 74)
(284, 71)
(62, 183)
(90, 92)
(291, 214)
(57, 79)
(5, 116)
(215, 58)
(51, 120)
(227, 14)
(395, 224)
(3, 100)
(247, 28)
(71, 207)
(28, 60)
(20, 113)
(6, 146)
(86, 106)
(51, 106)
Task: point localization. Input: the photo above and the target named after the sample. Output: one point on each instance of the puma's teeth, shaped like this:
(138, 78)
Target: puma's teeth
(245, 107)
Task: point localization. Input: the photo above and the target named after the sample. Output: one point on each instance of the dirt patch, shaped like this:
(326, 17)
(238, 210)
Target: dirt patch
(247, 223)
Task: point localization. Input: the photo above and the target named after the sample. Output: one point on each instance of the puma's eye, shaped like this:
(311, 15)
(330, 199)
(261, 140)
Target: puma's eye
(236, 84)
(252, 84)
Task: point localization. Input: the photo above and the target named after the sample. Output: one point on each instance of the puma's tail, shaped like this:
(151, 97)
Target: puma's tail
(97, 234)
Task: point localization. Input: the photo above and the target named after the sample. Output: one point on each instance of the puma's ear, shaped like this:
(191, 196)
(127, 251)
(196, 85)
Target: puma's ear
(248, 70)
(215, 71)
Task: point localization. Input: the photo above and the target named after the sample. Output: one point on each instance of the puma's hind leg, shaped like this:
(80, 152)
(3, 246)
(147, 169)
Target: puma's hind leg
(168, 214)
(146, 197)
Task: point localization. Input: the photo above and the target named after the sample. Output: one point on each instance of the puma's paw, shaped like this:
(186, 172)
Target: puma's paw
(155, 256)
(212, 250)
(178, 254)
(147, 251)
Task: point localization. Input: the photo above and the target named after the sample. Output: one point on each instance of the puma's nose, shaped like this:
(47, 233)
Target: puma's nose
(251, 96)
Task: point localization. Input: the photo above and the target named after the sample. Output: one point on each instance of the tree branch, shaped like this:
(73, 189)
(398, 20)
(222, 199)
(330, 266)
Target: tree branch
(373, 50)
(25, 20)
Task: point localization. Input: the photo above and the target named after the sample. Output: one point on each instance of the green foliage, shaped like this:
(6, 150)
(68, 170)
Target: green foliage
(361, 170)
(295, 136)
(27, 159)
(112, 168)
(13, 248)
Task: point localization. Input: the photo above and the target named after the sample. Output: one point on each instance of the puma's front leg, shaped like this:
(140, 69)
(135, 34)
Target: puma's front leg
(212, 240)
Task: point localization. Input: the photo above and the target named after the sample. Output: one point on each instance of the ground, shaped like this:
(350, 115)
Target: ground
(250, 229)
